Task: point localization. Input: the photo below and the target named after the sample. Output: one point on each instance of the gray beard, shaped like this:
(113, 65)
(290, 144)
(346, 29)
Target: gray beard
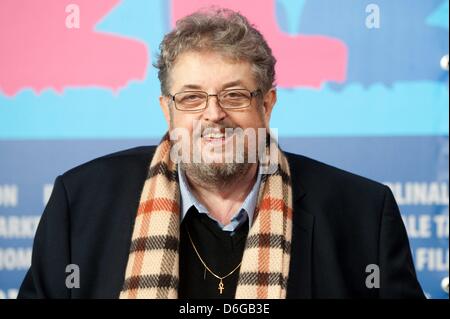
(214, 174)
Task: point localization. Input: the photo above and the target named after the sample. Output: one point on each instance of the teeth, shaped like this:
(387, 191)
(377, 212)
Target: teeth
(214, 135)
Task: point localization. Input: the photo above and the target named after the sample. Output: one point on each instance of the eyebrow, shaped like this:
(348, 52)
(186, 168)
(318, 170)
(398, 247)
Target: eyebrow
(233, 83)
(199, 87)
(190, 87)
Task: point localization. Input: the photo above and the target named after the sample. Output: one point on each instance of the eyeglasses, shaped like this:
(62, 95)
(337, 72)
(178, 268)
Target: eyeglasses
(227, 99)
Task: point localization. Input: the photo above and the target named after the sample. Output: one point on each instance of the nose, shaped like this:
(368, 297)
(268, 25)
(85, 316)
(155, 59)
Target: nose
(213, 111)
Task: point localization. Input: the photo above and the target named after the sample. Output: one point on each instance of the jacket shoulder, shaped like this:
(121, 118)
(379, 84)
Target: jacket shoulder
(313, 174)
(117, 163)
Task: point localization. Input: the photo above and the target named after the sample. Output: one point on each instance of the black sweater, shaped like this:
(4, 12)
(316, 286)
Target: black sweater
(220, 250)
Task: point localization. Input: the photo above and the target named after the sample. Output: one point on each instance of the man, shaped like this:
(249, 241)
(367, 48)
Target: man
(215, 215)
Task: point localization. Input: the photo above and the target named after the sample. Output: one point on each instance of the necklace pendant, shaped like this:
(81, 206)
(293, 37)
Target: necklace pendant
(221, 286)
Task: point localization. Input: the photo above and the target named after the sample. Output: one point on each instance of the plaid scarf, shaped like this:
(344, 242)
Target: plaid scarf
(152, 269)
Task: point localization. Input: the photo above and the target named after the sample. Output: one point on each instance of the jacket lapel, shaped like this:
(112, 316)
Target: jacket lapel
(300, 274)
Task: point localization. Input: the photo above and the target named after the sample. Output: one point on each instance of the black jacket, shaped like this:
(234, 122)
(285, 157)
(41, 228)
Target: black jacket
(341, 224)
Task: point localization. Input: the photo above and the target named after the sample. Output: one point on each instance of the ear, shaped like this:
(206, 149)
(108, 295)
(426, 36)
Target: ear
(164, 103)
(270, 98)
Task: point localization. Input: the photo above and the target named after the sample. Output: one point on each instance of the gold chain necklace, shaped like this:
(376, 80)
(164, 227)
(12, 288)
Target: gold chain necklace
(221, 286)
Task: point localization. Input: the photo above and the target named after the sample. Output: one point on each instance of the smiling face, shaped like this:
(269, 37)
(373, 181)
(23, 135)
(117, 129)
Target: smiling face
(212, 73)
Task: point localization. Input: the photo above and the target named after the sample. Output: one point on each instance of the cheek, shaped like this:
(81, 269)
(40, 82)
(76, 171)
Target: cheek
(180, 120)
(185, 121)
(254, 119)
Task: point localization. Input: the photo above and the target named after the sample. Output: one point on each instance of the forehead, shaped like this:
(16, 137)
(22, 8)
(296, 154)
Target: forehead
(210, 71)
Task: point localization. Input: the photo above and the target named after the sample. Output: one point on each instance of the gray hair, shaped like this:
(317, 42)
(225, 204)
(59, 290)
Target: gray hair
(220, 30)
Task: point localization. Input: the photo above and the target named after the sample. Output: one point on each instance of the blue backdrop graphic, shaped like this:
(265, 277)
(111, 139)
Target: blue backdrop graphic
(387, 121)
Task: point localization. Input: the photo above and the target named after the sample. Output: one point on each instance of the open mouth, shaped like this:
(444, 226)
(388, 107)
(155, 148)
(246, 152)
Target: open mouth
(216, 137)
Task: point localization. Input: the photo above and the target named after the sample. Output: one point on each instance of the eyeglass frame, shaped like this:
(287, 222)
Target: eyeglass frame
(252, 95)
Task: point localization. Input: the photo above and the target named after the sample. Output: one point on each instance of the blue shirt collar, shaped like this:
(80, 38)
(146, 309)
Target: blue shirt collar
(246, 211)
